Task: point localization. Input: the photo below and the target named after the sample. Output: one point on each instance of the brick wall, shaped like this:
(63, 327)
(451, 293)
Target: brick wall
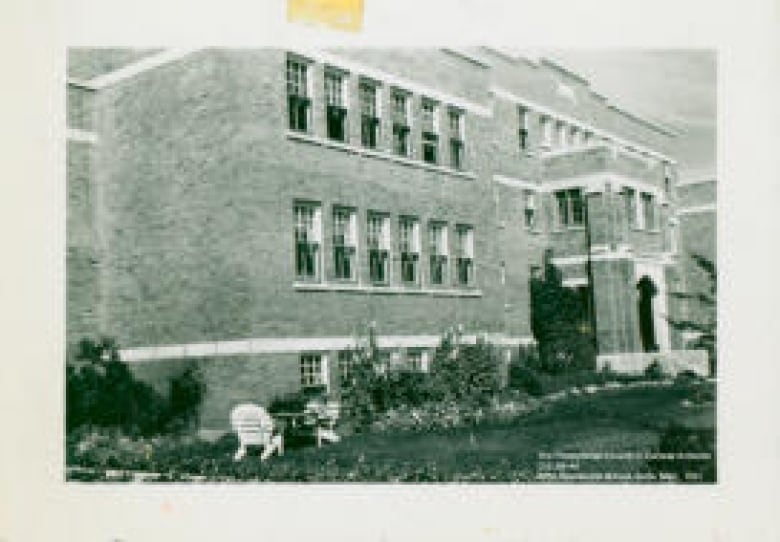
(229, 380)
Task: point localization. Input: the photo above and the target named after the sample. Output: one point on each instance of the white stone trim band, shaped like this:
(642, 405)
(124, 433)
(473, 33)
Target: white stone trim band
(82, 136)
(696, 209)
(143, 65)
(293, 345)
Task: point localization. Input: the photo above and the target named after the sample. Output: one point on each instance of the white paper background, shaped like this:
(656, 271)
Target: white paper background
(35, 504)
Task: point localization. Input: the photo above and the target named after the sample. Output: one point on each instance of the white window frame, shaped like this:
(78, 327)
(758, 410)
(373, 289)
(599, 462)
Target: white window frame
(562, 132)
(307, 221)
(441, 244)
(523, 141)
(530, 208)
(383, 238)
(317, 373)
(648, 205)
(303, 66)
(350, 238)
(367, 108)
(409, 243)
(546, 123)
(417, 360)
(465, 251)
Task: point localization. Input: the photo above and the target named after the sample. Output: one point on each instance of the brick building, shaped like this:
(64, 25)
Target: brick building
(253, 210)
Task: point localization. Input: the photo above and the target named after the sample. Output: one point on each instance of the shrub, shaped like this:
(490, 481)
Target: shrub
(186, 393)
(560, 322)
(462, 372)
(525, 379)
(102, 392)
(654, 371)
(691, 454)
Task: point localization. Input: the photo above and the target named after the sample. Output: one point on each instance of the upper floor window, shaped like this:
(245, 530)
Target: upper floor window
(648, 211)
(629, 203)
(571, 207)
(298, 101)
(455, 118)
(344, 243)
(378, 243)
(668, 179)
(529, 209)
(335, 105)
(409, 245)
(563, 135)
(430, 131)
(308, 239)
(369, 114)
(575, 136)
(523, 130)
(437, 241)
(546, 125)
(401, 124)
(465, 254)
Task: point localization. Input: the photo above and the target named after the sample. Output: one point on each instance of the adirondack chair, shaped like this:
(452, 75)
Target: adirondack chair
(325, 415)
(254, 427)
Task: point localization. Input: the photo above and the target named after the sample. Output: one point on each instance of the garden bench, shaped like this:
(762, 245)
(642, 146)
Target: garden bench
(255, 427)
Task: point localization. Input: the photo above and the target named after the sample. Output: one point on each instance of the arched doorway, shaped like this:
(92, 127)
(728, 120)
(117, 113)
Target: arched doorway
(647, 291)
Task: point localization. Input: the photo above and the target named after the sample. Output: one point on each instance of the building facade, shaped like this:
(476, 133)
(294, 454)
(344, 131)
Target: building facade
(253, 210)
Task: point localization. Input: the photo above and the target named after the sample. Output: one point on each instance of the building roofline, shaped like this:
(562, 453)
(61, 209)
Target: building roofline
(132, 69)
(511, 96)
(466, 55)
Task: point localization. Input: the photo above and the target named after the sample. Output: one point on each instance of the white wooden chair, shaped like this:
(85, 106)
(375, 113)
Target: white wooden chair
(326, 414)
(254, 427)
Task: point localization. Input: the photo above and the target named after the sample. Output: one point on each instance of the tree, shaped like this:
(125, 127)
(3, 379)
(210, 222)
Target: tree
(704, 324)
(560, 323)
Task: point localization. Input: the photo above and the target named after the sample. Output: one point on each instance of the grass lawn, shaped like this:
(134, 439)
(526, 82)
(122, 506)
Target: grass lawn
(618, 421)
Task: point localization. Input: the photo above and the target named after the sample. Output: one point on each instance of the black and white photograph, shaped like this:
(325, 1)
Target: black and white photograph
(390, 270)
(391, 265)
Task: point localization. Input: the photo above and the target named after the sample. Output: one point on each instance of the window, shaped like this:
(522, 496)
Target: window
(369, 115)
(587, 138)
(344, 243)
(648, 211)
(417, 361)
(455, 118)
(308, 238)
(430, 132)
(562, 135)
(313, 370)
(400, 123)
(575, 136)
(546, 126)
(298, 102)
(571, 207)
(347, 362)
(523, 131)
(668, 179)
(336, 111)
(378, 242)
(465, 255)
(409, 237)
(629, 202)
(437, 239)
(529, 209)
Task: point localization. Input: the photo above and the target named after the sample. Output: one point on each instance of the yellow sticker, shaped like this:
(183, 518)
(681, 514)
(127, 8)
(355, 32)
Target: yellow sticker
(339, 14)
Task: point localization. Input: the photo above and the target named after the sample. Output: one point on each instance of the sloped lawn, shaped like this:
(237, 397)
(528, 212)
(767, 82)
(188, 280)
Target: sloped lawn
(617, 421)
